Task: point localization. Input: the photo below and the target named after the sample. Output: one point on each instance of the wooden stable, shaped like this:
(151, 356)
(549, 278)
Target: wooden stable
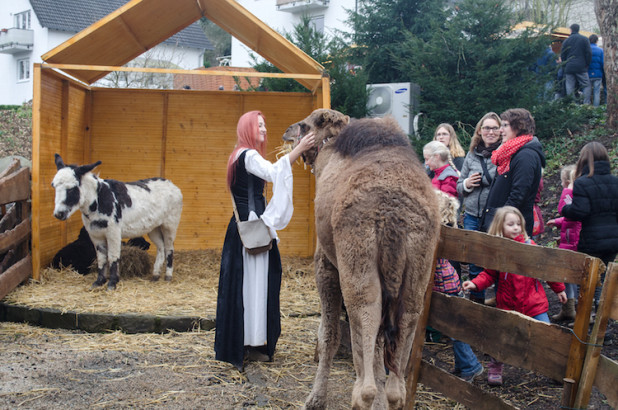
(183, 135)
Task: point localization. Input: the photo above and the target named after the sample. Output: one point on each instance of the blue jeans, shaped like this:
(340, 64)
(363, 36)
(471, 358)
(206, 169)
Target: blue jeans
(596, 90)
(584, 84)
(466, 362)
(571, 290)
(543, 317)
(472, 223)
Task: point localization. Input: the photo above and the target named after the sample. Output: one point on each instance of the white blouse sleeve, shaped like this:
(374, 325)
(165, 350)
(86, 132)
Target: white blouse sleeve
(279, 210)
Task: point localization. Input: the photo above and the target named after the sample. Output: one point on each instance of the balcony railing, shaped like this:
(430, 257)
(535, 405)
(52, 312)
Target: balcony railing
(15, 40)
(300, 5)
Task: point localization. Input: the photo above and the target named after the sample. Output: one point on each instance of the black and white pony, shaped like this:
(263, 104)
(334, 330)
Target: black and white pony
(112, 210)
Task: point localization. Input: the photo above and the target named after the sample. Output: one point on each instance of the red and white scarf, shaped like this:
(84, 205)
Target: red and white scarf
(502, 156)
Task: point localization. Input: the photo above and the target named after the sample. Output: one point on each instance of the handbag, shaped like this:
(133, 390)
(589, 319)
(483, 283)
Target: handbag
(539, 225)
(255, 235)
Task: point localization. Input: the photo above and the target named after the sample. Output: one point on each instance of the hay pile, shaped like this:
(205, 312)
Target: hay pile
(192, 291)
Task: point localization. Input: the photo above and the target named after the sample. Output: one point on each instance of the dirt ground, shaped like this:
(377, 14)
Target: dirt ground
(53, 369)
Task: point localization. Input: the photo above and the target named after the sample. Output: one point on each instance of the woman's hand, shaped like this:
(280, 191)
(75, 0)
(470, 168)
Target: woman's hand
(304, 144)
(473, 180)
(562, 297)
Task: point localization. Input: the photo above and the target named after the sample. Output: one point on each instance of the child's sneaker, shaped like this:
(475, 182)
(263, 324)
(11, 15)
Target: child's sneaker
(494, 373)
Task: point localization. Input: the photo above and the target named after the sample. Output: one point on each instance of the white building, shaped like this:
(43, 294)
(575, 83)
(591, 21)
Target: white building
(30, 28)
(327, 16)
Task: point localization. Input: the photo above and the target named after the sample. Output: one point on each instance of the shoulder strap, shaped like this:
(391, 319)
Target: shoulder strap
(485, 171)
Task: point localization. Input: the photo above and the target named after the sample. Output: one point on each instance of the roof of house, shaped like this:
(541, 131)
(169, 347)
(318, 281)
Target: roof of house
(75, 15)
(216, 82)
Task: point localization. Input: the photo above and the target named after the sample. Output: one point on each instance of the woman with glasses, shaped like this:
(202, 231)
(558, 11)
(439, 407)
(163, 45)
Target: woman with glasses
(519, 162)
(477, 174)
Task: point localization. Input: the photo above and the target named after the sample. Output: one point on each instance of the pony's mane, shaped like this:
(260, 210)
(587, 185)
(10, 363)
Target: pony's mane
(370, 132)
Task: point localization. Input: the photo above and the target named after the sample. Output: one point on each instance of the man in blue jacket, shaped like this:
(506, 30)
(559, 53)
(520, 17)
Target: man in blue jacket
(576, 55)
(596, 70)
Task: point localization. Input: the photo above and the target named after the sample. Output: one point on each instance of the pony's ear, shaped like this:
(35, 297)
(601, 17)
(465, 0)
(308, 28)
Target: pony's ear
(59, 162)
(82, 170)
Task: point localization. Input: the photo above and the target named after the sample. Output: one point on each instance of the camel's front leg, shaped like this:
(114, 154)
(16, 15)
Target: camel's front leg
(329, 334)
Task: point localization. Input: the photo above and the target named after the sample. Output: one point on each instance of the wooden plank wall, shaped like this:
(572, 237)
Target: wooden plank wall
(61, 127)
(183, 135)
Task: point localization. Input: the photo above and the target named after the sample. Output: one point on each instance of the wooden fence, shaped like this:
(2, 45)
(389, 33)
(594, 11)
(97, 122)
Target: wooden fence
(513, 338)
(15, 227)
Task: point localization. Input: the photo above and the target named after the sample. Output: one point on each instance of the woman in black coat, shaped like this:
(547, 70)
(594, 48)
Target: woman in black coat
(519, 160)
(595, 204)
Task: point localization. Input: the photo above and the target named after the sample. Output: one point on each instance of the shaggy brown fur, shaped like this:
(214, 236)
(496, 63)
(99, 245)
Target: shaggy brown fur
(377, 223)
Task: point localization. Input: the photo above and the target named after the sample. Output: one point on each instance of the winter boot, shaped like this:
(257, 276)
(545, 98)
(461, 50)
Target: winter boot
(567, 311)
(494, 375)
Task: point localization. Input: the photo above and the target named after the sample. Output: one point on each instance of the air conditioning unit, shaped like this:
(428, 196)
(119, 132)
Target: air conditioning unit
(401, 100)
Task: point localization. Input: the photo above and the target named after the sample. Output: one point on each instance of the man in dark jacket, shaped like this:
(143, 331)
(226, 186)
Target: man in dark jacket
(576, 55)
(519, 162)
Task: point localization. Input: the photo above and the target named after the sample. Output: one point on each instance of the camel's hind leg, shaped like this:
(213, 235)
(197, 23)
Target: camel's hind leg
(329, 333)
(361, 289)
(415, 276)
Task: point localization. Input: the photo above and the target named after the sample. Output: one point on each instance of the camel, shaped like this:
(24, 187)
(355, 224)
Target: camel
(377, 222)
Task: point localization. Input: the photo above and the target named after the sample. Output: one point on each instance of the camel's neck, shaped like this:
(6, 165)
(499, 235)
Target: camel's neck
(322, 159)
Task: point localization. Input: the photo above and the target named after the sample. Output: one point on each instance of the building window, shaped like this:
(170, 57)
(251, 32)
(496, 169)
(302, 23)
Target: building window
(23, 69)
(318, 23)
(22, 20)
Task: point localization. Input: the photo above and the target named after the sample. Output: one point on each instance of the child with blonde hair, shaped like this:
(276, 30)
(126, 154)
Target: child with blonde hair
(569, 237)
(515, 292)
(446, 279)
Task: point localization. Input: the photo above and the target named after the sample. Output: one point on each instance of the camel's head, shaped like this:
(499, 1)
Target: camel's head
(324, 123)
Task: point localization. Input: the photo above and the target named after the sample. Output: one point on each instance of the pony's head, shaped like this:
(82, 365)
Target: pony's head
(67, 183)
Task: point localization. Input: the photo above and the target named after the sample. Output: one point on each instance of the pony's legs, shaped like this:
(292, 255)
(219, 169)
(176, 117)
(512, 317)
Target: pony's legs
(156, 237)
(329, 333)
(101, 250)
(169, 234)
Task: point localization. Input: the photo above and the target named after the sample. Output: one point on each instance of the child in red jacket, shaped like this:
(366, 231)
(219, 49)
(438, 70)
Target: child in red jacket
(569, 237)
(520, 293)
(438, 159)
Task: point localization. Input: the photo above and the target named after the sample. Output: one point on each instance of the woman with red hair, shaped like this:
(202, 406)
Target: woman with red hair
(248, 323)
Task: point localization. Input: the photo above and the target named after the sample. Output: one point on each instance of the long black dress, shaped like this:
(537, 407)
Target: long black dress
(229, 332)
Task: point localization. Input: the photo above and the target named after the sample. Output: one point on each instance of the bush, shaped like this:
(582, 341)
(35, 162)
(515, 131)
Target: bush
(564, 118)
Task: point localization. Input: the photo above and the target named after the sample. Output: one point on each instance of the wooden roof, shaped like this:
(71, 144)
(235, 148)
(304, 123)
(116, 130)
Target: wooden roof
(142, 24)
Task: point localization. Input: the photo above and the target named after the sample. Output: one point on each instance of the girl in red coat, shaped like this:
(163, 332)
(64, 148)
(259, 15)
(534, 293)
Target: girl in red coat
(438, 159)
(520, 293)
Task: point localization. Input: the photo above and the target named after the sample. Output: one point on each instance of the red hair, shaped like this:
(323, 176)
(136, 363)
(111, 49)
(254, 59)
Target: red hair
(247, 133)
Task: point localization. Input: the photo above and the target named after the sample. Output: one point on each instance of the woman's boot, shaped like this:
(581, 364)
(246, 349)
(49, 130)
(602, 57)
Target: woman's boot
(567, 312)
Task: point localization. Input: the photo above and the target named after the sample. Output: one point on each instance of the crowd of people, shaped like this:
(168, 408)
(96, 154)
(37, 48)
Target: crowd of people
(583, 67)
(498, 185)
(497, 182)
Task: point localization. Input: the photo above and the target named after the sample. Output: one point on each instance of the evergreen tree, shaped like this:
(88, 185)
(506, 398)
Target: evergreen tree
(472, 64)
(379, 27)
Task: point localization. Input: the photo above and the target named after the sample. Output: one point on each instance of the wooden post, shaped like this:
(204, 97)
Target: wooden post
(597, 336)
(568, 391)
(36, 172)
(577, 352)
(416, 355)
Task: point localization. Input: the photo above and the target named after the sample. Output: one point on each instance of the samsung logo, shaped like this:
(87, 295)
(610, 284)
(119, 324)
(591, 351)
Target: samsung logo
(401, 90)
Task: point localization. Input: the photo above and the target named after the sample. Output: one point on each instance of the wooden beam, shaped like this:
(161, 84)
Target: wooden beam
(15, 275)
(36, 172)
(605, 380)
(77, 67)
(514, 338)
(457, 389)
(10, 239)
(556, 265)
(15, 187)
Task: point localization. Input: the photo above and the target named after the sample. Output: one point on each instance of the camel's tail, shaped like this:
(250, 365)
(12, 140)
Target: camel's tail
(392, 260)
